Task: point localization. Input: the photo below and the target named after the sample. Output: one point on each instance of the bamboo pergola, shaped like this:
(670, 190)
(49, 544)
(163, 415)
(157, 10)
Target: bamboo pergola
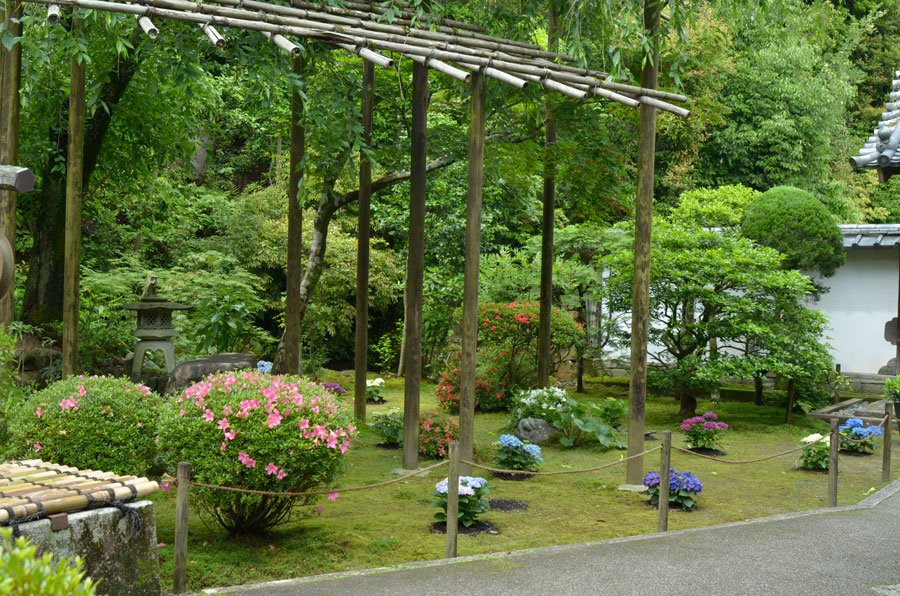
(459, 50)
(31, 489)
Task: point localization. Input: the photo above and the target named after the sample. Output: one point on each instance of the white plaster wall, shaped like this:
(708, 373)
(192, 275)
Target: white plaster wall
(862, 298)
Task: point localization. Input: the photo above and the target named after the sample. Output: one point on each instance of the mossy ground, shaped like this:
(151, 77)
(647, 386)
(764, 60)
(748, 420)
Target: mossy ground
(391, 525)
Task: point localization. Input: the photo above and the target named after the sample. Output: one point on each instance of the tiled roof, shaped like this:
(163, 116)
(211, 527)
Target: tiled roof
(858, 236)
(882, 149)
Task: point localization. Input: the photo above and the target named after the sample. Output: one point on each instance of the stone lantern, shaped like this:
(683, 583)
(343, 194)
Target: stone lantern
(154, 327)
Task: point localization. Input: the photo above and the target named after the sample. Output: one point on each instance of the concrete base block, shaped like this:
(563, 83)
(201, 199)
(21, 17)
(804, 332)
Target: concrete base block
(120, 564)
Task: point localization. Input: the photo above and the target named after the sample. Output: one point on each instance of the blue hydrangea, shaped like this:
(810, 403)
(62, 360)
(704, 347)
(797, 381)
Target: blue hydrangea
(855, 423)
(473, 481)
(690, 482)
(532, 450)
(510, 441)
(651, 479)
(264, 366)
(466, 485)
(684, 481)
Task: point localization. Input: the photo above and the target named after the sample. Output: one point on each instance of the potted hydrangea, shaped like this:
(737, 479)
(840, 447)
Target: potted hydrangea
(682, 488)
(514, 454)
(472, 491)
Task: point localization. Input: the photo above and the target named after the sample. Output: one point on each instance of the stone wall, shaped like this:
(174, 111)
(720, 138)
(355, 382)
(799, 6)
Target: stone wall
(120, 564)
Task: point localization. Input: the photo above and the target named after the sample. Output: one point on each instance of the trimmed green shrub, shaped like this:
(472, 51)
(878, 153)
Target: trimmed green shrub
(24, 573)
(105, 423)
(259, 432)
(389, 426)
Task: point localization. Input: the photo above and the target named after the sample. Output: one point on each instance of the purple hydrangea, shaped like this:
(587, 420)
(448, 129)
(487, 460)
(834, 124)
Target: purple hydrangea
(333, 387)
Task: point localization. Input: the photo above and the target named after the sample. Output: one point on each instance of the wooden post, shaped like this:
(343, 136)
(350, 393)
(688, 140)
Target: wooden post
(833, 463)
(473, 254)
(453, 500)
(181, 526)
(288, 358)
(10, 83)
(886, 448)
(640, 302)
(665, 459)
(74, 180)
(547, 221)
(415, 267)
(362, 247)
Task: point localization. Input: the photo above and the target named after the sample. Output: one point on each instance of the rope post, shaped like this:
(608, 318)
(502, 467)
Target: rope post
(181, 526)
(665, 459)
(886, 448)
(453, 500)
(833, 463)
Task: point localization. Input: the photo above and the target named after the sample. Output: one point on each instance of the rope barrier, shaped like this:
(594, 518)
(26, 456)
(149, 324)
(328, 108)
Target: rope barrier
(867, 437)
(747, 461)
(561, 472)
(267, 493)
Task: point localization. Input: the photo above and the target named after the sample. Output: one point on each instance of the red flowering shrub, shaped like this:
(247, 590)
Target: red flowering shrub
(436, 431)
(489, 392)
(507, 352)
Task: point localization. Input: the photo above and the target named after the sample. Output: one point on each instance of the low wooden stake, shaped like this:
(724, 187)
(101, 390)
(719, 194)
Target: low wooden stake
(453, 500)
(181, 526)
(833, 464)
(665, 459)
(886, 449)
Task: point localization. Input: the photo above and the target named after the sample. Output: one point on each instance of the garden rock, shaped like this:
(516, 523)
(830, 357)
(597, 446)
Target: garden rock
(188, 373)
(535, 430)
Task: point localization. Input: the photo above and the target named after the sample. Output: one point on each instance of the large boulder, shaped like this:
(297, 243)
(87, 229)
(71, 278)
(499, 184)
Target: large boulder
(189, 372)
(535, 430)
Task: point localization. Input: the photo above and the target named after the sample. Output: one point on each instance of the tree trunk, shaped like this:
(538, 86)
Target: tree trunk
(401, 370)
(791, 387)
(758, 389)
(42, 302)
(688, 404)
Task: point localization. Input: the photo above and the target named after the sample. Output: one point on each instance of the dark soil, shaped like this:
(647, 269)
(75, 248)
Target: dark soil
(507, 505)
(813, 471)
(386, 446)
(377, 402)
(482, 527)
(510, 476)
(707, 451)
(676, 506)
(856, 453)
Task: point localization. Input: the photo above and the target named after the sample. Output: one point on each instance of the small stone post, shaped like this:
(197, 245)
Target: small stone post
(665, 459)
(181, 526)
(453, 500)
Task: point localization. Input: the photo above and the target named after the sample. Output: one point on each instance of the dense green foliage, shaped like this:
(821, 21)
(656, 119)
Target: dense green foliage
(97, 423)
(24, 573)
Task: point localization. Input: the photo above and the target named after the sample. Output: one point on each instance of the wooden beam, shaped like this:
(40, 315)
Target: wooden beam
(362, 250)
(547, 221)
(415, 267)
(10, 83)
(640, 299)
(470, 283)
(74, 169)
(288, 357)
(16, 178)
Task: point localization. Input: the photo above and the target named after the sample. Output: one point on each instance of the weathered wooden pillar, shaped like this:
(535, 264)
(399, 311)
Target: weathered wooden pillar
(415, 267)
(548, 218)
(74, 181)
(10, 82)
(362, 243)
(288, 358)
(640, 301)
(470, 284)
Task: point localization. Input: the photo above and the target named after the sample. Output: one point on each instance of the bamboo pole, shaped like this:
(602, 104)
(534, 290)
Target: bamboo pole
(665, 460)
(640, 302)
(53, 14)
(289, 47)
(147, 27)
(214, 36)
(362, 243)
(291, 339)
(442, 67)
(74, 180)
(10, 83)
(833, 463)
(73, 503)
(415, 267)
(453, 501)
(181, 526)
(886, 447)
(470, 282)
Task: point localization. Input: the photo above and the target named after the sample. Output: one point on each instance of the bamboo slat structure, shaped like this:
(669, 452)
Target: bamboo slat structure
(148, 27)
(33, 487)
(359, 27)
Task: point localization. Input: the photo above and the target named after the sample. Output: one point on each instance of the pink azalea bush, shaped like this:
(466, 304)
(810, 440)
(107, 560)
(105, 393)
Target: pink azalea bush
(436, 432)
(98, 423)
(260, 432)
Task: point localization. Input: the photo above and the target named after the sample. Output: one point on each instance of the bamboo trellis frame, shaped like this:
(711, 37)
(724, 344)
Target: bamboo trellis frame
(33, 486)
(357, 29)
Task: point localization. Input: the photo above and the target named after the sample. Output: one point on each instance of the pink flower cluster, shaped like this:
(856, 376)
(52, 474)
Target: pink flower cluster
(70, 403)
(707, 420)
